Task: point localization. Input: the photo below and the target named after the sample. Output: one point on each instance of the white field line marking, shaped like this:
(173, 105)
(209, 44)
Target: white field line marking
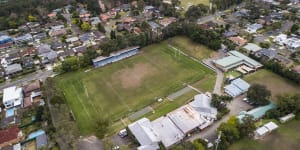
(88, 99)
(88, 114)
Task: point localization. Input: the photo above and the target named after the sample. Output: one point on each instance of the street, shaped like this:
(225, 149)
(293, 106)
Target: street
(38, 75)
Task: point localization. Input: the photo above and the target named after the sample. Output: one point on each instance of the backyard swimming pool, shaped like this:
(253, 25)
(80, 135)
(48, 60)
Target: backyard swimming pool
(10, 112)
(35, 134)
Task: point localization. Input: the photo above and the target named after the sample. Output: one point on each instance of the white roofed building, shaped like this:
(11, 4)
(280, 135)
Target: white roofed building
(202, 105)
(168, 132)
(267, 128)
(12, 97)
(145, 135)
(186, 118)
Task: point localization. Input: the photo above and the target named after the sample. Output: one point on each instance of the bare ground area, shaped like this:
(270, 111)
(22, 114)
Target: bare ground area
(133, 77)
(90, 143)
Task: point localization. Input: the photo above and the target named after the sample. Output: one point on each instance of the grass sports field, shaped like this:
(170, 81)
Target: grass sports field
(187, 3)
(116, 90)
(286, 137)
(276, 84)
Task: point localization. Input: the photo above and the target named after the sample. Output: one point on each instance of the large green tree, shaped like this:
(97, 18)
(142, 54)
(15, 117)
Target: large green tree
(258, 94)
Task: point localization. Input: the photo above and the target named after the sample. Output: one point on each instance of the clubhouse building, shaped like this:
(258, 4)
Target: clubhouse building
(236, 59)
(176, 125)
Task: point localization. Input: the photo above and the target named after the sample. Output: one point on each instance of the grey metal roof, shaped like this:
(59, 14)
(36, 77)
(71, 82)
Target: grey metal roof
(41, 141)
(267, 53)
(10, 69)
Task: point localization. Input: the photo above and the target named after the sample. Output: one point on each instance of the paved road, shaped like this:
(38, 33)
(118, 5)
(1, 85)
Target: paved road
(235, 107)
(39, 75)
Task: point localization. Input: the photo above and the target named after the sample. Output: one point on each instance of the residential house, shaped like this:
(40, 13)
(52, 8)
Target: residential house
(105, 17)
(80, 49)
(63, 54)
(27, 52)
(4, 63)
(266, 53)
(12, 97)
(280, 39)
(47, 54)
(229, 34)
(95, 21)
(166, 21)
(292, 43)
(28, 62)
(252, 48)
(40, 36)
(284, 61)
(86, 38)
(13, 69)
(125, 7)
(99, 36)
(5, 41)
(155, 28)
(57, 30)
(56, 45)
(254, 27)
(52, 15)
(12, 57)
(239, 41)
(10, 136)
(73, 41)
(20, 40)
(297, 69)
(32, 93)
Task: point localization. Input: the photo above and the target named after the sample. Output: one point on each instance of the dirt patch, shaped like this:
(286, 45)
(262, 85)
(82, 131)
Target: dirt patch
(134, 76)
(90, 143)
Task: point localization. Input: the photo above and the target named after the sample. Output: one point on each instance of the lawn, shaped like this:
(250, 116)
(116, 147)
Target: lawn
(276, 84)
(286, 137)
(116, 90)
(191, 48)
(187, 3)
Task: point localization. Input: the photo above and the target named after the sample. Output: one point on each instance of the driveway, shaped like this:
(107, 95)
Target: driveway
(235, 107)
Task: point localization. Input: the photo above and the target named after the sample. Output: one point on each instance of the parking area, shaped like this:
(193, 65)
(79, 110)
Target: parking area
(90, 143)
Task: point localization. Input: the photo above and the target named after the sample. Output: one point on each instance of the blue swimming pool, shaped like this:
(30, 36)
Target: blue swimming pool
(10, 112)
(35, 134)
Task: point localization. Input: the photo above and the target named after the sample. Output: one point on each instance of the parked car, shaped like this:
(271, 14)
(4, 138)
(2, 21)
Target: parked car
(123, 133)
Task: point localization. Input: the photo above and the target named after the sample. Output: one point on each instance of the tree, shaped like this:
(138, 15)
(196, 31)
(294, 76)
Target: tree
(86, 26)
(195, 12)
(247, 126)
(31, 18)
(113, 34)
(264, 44)
(101, 126)
(295, 28)
(258, 94)
(140, 5)
(101, 28)
(70, 64)
(231, 133)
(187, 145)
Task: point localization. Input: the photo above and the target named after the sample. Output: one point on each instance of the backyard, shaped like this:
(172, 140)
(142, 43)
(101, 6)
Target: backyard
(285, 137)
(121, 88)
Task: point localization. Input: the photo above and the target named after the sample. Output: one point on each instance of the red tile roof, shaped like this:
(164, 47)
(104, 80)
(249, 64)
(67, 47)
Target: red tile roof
(9, 134)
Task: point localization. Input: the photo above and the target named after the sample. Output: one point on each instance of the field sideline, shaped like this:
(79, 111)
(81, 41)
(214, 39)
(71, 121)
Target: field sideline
(116, 90)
